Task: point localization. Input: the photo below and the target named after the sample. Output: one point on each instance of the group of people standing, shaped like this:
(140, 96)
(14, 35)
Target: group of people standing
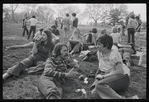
(112, 75)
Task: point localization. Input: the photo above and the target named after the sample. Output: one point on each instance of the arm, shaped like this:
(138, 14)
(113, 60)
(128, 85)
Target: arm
(34, 49)
(49, 70)
(118, 70)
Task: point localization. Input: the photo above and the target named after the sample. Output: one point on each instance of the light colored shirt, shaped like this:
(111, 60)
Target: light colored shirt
(33, 21)
(116, 37)
(108, 62)
(132, 23)
(66, 22)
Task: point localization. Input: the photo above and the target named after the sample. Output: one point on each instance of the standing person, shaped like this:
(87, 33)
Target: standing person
(131, 27)
(41, 50)
(66, 24)
(75, 21)
(24, 26)
(56, 22)
(33, 21)
(56, 73)
(112, 75)
(61, 21)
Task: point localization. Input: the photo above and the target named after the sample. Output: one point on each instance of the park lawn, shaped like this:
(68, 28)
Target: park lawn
(25, 87)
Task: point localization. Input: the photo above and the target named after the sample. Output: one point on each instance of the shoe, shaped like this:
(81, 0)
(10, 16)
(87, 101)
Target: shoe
(133, 47)
(133, 97)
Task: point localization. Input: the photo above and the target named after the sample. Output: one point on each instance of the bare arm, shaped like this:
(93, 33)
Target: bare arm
(34, 49)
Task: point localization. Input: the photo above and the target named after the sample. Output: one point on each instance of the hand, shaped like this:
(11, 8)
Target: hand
(71, 73)
(99, 76)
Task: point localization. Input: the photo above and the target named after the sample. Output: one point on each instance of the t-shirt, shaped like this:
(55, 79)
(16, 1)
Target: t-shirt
(116, 37)
(33, 21)
(132, 23)
(107, 63)
(66, 22)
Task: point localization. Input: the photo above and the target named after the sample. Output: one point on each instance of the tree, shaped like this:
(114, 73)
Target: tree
(97, 11)
(118, 14)
(45, 13)
(13, 8)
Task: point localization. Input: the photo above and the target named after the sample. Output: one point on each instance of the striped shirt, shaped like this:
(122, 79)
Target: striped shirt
(57, 67)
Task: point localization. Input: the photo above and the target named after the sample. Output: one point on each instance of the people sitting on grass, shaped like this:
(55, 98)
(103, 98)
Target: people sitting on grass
(91, 37)
(55, 30)
(112, 75)
(41, 50)
(56, 73)
(38, 35)
(75, 42)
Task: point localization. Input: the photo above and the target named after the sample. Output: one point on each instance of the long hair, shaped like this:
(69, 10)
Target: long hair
(57, 49)
(78, 32)
(49, 44)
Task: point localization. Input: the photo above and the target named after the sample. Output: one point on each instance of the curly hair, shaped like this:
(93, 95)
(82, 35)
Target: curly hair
(57, 49)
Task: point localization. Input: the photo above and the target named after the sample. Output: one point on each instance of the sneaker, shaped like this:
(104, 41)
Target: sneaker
(133, 97)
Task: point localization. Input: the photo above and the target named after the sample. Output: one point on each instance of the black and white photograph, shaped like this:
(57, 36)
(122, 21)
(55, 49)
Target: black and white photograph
(74, 50)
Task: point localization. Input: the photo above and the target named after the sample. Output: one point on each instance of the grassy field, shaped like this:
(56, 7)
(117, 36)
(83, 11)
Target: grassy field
(25, 87)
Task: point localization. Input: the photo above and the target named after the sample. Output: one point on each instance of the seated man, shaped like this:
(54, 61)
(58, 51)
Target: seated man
(75, 42)
(56, 72)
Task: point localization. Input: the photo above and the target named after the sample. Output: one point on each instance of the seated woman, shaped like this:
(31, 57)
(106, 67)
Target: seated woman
(40, 52)
(38, 36)
(75, 42)
(112, 75)
(90, 39)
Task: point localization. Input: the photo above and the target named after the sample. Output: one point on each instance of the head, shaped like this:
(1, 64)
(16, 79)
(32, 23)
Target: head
(137, 17)
(67, 15)
(132, 16)
(33, 16)
(114, 30)
(118, 30)
(53, 27)
(38, 34)
(104, 42)
(74, 14)
(60, 50)
(76, 31)
(94, 30)
(103, 31)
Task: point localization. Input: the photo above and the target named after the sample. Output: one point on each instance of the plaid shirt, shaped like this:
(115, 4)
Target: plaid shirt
(57, 67)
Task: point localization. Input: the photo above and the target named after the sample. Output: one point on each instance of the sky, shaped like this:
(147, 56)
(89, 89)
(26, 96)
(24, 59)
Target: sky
(138, 8)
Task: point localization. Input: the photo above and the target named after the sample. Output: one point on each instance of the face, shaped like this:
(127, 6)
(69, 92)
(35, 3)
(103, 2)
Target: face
(64, 51)
(100, 47)
(44, 36)
(76, 32)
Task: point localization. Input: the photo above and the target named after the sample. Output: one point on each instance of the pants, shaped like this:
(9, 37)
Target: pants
(48, 86)
(126, 52)
(26, 63)
(25, 29)
(131, 32)
(32, 29)
(107, 88)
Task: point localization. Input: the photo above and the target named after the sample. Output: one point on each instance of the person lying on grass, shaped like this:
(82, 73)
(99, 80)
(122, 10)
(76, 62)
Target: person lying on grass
(75, 42)
(38, 36)
(40, 52)
(56, 73)
(112, 75)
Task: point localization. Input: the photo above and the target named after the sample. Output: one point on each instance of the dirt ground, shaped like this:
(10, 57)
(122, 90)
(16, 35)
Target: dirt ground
(24, 87)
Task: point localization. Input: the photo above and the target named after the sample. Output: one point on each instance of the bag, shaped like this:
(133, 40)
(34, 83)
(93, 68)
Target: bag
(91, 56)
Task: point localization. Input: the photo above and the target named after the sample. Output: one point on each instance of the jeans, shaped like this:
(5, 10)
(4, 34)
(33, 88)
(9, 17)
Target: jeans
(107, 88)
(25, 29)
(48, 86)
(75, 46)
(26, 63)
(131, 32)
(32, 29)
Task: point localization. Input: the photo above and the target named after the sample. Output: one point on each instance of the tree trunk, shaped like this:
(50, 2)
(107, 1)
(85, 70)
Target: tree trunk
(13, 16)
(95, 22)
